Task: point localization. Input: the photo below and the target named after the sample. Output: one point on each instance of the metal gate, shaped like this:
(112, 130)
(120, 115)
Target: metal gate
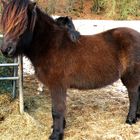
(16, 78)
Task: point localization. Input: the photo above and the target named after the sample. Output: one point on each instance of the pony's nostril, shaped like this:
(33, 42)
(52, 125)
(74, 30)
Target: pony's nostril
(9, 49)
(4, 51)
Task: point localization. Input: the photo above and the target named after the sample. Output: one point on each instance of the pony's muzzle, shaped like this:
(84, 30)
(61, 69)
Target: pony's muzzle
(8, 49)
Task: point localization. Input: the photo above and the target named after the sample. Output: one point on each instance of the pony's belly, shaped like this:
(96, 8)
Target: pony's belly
(84, 85)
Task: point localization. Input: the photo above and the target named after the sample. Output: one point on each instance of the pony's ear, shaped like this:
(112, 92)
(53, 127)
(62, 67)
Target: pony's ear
(32, 5)
(32, 9)
(69, 18)
(4, 3)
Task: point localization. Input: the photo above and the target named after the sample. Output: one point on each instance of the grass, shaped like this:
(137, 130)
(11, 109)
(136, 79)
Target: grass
(117, 9)
(51, 8)
(74, 7)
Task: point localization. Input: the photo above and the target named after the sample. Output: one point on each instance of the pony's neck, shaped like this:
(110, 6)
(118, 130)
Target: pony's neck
(44, 33)
(44, 25)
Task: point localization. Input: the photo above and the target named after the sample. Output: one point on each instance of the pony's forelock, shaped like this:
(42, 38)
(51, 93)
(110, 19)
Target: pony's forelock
(14, 17)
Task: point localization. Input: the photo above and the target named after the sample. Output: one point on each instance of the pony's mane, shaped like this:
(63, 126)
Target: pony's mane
(15, 14)
(45, 16)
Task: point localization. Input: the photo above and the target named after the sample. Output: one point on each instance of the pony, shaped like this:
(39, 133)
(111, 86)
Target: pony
(92, 62)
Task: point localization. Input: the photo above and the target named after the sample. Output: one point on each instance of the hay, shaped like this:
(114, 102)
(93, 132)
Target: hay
(91, 115)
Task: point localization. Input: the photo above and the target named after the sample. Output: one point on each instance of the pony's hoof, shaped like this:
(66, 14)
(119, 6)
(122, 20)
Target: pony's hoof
(138, 115)
(56, 136)
(131, 121)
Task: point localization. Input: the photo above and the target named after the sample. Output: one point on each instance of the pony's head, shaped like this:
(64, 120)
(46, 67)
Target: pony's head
(18, 21)
(65, 21)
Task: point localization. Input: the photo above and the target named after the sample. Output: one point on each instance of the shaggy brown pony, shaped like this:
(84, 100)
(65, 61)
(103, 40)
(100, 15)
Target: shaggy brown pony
(92, 62)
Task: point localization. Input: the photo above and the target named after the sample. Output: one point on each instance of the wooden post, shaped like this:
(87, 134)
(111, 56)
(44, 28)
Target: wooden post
(15, 81)
(20, 73)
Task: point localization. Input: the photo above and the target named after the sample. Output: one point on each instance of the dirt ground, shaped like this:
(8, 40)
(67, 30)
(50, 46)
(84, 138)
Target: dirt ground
(91, 115)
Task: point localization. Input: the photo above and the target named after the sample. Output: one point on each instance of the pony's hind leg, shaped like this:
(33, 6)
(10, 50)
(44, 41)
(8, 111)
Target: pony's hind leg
(131, 81)
(133, 99)
(138, 107)
(58, 96)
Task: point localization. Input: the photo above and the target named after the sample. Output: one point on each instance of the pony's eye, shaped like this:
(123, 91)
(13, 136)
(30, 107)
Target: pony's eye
(18, 38)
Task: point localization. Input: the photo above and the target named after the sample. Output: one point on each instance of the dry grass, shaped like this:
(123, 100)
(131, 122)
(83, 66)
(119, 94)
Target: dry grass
(91, 115)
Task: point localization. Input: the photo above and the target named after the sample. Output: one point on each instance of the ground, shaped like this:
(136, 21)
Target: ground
(91, 115)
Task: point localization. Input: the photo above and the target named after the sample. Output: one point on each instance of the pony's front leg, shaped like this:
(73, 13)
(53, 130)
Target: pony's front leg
(58, 96)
